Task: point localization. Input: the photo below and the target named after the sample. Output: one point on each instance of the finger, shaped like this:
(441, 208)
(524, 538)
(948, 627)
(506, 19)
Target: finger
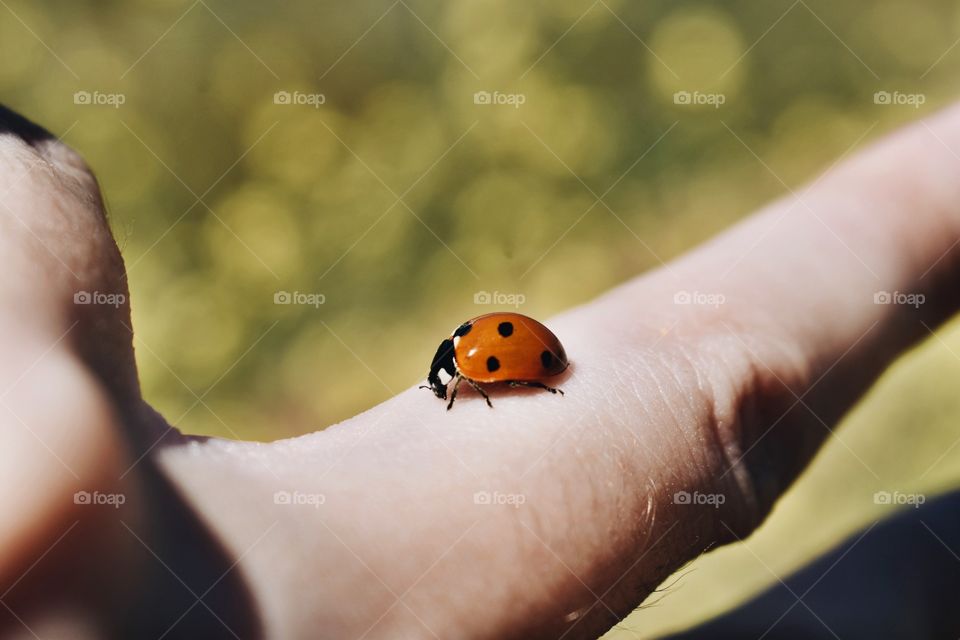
(62, 267)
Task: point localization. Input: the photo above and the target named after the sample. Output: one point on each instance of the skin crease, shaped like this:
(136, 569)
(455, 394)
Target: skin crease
(660, 398)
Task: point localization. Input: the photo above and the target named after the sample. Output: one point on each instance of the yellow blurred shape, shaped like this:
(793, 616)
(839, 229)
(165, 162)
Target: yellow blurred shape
(696, 48)
(912, 33)
(20, 50)
(806, 132)
(253, 235)
(291, 144)
(495, 39)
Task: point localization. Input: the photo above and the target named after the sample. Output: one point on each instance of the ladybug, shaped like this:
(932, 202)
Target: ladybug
(502, 347)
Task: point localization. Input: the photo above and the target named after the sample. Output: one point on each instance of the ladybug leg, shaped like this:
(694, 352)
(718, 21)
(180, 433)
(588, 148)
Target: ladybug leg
(453, 394)
(534, 384)
(481, 392)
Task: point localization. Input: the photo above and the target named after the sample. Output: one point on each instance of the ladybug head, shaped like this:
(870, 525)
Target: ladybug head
(442, 360)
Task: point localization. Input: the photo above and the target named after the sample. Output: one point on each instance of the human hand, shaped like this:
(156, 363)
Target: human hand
(727, 401)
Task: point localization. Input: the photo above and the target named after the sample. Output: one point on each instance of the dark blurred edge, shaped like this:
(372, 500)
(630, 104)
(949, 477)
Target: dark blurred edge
(12, 122)
(898, 579)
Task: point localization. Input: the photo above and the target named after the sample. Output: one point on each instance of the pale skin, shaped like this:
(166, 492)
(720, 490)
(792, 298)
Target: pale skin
(660, 398)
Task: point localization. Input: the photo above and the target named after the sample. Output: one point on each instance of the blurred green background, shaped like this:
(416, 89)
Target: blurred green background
(337, 152)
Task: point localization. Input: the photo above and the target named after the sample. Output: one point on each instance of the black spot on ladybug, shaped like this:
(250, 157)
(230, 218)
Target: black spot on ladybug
(546, 359)
(492, 364)
(463, 329)
(505, 329)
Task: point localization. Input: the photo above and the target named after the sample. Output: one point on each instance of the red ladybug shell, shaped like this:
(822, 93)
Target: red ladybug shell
(499, 347)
